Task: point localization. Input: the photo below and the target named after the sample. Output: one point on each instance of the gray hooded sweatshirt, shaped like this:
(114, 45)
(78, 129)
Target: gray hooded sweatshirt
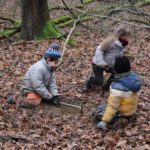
(102, 58)
(40, 79)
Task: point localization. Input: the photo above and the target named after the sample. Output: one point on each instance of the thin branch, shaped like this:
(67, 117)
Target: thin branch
(7, 19)
(72, 13)
(112, 18)
(14, 137)
(66, 41)
(128, 10)
(116, 19)
(71, 31)
(138, 21)
(69, 9)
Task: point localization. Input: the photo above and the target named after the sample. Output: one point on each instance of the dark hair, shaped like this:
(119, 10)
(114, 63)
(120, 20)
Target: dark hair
(122, 31)
(122, 64)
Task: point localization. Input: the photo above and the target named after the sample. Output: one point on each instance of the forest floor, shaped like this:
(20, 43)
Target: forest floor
(34, 129)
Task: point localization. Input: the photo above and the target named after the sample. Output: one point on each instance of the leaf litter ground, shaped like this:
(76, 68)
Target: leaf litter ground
(35, 129)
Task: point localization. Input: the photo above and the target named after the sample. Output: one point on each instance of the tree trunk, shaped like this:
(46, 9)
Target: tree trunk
(35, 15)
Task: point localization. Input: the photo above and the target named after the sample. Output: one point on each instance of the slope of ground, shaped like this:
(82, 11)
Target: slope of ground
(35, 130)
(25, 129)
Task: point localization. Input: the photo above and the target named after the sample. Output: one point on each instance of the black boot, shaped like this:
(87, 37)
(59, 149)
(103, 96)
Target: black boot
(86, 87)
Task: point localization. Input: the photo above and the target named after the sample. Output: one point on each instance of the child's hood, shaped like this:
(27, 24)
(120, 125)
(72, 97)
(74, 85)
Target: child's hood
(130, 81)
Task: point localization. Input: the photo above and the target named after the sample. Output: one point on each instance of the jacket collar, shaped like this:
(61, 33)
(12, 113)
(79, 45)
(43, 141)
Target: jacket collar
(118, 43)
(117, 76)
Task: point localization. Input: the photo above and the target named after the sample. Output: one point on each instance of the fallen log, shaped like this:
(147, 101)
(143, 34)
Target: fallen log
(9, 33)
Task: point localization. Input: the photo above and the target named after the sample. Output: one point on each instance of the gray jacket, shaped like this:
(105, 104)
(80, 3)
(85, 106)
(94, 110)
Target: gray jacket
(40, 79)
(102, 58)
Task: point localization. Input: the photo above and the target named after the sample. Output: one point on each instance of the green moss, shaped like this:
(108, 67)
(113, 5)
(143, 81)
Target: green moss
(17, 23)
(6, 33)
(61, 19)
(86, 18)
(67, 23)
(50, 30)
(72, 42)
(143, 3)
(71, 21)
(77, 33)
(88, 1)
(12, 30)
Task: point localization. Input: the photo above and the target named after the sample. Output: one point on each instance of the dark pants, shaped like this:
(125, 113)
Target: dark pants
(97, 78)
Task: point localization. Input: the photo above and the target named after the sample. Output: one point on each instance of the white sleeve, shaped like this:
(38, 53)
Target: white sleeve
(98, 58)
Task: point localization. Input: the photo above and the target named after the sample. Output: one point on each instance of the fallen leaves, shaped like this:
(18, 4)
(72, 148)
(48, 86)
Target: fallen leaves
(41, 130)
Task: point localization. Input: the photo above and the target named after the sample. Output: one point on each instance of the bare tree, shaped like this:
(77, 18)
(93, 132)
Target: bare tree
(35, 15)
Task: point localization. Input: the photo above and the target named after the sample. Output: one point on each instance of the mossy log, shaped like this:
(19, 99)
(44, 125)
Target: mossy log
(9, 33)
(15, 28)
(61, 19)
(71, 20)
(50, 30)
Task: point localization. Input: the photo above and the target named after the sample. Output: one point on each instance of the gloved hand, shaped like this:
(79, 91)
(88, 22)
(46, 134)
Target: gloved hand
(56, 100)
(102, 125)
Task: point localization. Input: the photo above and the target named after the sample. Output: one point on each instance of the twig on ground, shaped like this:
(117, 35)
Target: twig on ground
(14, 137)
(112, 18)
(128, 10)
(7, 19)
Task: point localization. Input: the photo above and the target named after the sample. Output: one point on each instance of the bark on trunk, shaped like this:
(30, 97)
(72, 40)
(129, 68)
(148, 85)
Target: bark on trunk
(34, 17)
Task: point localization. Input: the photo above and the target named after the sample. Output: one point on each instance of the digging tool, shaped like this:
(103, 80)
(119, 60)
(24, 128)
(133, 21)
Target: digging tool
(64, 108)
(72, 108)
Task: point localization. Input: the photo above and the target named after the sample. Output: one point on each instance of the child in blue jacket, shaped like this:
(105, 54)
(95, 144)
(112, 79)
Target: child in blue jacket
(123, 97)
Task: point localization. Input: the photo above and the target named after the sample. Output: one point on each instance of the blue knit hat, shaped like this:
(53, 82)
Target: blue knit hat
(53, 51)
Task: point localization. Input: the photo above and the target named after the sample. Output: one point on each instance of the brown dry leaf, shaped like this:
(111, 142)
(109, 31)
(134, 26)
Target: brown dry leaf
(121, 143)
(17, 73)
(71, 131)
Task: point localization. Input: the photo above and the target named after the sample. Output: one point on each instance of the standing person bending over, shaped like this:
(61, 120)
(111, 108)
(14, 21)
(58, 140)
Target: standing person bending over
(104, 57)
(39, 81)
(123, 93)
